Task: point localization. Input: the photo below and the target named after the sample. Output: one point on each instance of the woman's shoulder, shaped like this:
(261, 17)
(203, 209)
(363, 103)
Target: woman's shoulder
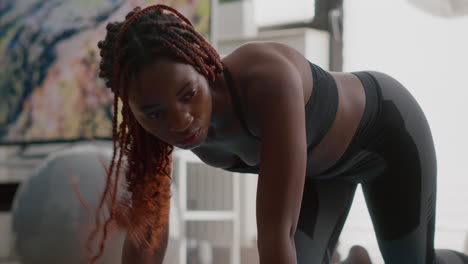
(260, 48)
(257, 52)
(259, 58)
(264, 72)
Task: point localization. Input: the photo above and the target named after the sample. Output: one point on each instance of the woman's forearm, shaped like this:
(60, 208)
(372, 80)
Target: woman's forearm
(277, 251)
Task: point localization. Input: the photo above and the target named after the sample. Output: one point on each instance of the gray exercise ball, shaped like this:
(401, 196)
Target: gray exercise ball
(50, 225)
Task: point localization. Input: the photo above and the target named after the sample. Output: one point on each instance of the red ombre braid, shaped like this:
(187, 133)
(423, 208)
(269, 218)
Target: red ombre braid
(144, 36)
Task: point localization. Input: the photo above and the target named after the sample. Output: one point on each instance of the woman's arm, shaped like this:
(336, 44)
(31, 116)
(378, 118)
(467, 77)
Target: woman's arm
(276, 102)
(132, 254)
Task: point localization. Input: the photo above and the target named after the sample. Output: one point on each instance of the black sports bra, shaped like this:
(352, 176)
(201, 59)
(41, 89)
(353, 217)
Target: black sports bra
(320, 111)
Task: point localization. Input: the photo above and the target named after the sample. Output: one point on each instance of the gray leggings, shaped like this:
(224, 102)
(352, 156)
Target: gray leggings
(392, 156)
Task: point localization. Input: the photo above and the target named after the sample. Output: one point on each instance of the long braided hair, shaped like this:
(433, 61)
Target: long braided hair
(145, 35)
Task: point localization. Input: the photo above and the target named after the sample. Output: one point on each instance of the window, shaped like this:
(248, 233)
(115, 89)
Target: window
(277, 12)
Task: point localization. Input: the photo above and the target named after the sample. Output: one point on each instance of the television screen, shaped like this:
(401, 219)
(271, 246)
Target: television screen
(49, 85)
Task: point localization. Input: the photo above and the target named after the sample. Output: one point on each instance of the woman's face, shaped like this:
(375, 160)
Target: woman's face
(172, 101)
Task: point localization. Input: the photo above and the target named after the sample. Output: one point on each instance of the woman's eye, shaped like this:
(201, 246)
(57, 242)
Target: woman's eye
(154, 115)
(189, 95)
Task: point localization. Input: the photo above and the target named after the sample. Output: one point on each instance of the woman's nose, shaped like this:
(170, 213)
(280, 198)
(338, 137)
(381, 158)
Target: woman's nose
(180, 122)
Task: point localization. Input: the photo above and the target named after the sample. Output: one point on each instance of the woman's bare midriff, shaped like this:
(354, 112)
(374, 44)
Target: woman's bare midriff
(351, 104)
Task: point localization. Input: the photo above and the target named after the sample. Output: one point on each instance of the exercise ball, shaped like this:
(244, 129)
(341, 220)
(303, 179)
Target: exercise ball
(50, 225)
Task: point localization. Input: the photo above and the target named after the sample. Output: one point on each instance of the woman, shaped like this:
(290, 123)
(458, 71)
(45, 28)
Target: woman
(311, 135)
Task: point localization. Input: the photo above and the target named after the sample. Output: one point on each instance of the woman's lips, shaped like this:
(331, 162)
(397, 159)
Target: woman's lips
(190, 139)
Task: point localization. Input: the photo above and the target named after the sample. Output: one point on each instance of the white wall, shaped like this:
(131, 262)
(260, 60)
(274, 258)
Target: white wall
(429, 55)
